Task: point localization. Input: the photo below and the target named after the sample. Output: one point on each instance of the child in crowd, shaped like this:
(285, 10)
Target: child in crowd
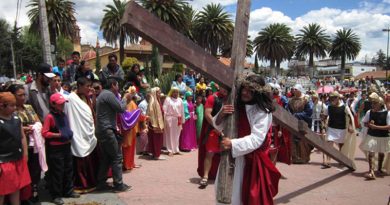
(199, 115)
(14, 173)
(58, 134)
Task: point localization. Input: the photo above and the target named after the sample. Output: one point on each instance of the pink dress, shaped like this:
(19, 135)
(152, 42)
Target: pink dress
(188, 134)
(173, 119)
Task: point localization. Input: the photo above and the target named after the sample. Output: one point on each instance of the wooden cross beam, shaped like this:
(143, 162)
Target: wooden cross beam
(161, 34)
(226, 164)
(299, 128)
(177, 45)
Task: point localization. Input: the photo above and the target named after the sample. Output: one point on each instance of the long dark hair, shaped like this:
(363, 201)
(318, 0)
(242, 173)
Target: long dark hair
(263, 99)
(14, 88)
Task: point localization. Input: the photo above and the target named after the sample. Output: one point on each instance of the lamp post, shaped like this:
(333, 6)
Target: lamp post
(387, 52)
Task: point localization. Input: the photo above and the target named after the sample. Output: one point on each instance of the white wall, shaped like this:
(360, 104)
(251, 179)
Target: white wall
(358, 69)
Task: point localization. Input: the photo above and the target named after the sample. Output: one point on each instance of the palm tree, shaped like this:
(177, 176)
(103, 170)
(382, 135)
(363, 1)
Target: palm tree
(213, 28)
(60, 16)
(190, 14)
(172, 12)
(312, 41)
(274, 43)
(226, 50)
(345, 45)
(112, 28)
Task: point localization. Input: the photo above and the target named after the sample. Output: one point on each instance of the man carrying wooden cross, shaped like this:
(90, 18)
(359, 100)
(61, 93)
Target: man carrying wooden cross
(256, 178)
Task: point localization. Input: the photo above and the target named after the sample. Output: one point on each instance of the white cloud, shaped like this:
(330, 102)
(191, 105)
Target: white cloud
(8, 12)
(366, 24)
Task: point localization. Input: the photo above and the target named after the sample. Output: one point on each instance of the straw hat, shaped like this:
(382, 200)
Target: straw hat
(374, 97)
(334, 94)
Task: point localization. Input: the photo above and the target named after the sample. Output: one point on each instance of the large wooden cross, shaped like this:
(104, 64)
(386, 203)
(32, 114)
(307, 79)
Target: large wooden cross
(183, 49)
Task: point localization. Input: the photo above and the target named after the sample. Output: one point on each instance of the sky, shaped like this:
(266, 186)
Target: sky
(366, 18)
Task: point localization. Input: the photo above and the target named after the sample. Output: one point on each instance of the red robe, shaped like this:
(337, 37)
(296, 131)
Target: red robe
(282, 144)
(261, 177)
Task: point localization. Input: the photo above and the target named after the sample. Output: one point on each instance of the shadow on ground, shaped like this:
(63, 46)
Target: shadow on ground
(286, 198)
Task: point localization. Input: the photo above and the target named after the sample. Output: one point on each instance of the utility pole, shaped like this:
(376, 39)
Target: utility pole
(387, 53)
(13, 58)
(44, 28)
(226, 166)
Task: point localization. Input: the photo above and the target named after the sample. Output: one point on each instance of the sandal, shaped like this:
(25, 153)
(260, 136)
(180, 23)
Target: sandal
(370, 175)
(203, 182)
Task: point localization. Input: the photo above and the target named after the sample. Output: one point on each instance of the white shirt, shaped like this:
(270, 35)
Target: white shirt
(143, 106)
(260, 122)
(367, 117)
(317, 109)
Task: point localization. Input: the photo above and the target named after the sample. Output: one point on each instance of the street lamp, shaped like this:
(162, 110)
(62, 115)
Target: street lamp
(387, 52)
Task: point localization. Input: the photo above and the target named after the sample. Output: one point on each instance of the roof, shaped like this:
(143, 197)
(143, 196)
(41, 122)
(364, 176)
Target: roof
(227, 62)
(89, 54)
(375, 74)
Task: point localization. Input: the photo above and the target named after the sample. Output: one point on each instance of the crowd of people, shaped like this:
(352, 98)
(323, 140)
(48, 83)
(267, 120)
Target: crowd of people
(80, 128)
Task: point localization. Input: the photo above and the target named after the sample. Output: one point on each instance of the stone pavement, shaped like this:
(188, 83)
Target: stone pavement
(174, 181)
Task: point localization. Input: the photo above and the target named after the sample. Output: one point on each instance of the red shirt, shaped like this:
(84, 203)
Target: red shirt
(209, 102)
(47, 130)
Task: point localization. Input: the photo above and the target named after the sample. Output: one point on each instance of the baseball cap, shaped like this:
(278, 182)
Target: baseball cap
(46, 70)
(57, 98)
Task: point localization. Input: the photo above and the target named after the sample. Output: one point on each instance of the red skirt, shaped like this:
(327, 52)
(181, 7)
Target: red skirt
(212, 144)
(14, 176)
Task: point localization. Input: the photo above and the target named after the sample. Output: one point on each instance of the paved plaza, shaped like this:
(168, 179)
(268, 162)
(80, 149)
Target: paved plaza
(174, 181)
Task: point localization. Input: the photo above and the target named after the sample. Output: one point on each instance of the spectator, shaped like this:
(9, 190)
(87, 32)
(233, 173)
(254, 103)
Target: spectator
(174, 119)
(133, 76)
(85, 71)
(189, 79)
(70, 72)
(36, 151)
(55, 85)
(112, 69)
(14, 173)
(79, 110)
(156, 124)
(299, 106)
(144, 85)
(66, 87)
(58, 134)
(38, 92)
(201, 86)
(188, 134)
(60, 67)
(107, 108)
(178, 83)
(199, 115)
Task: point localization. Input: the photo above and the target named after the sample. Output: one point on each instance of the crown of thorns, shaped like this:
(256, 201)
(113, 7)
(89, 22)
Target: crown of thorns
(254, 86)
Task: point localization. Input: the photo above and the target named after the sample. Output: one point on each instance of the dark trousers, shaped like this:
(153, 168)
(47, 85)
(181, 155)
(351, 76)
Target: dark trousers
(60, 162)
(111, 155)
(34, 168)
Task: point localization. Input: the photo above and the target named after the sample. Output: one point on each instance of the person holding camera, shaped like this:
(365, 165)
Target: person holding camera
(107, 108)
